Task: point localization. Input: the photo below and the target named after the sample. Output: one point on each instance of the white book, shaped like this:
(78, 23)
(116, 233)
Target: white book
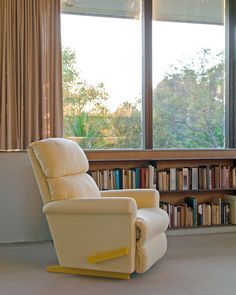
(105, 179)
(185, 179)
(194, 178)
(209, 178)
(151, 176)
(173, 179)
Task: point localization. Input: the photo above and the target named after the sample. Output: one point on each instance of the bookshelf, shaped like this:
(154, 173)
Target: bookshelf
(164, 160)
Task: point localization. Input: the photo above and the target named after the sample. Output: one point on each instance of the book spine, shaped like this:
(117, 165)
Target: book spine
(185, 179)
(194, 175)
(173, 179)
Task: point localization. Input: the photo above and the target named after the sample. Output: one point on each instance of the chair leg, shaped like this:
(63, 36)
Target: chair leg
(88, 272)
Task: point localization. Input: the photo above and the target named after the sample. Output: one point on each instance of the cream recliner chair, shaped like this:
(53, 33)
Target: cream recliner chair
(107, 233)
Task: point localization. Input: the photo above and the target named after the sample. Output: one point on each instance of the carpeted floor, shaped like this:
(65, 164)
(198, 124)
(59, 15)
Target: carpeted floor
(193, 265)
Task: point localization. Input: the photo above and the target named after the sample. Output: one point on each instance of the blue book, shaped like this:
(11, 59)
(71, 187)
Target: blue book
(192, 202)
(222, 213)
(117, 173)
(118, 178)
(137, 179)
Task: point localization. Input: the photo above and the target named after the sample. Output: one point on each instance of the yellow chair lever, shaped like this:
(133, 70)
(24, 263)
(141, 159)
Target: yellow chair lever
(108, 255)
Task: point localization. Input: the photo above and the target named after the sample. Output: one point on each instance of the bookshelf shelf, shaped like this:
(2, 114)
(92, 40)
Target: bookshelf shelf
(201, 230)
(199, 191)
(204, 226)
(160, 155)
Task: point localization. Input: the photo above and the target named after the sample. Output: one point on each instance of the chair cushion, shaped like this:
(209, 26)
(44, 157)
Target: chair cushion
(73, 187)
(150, 252)
(149, 223)
(49, 153)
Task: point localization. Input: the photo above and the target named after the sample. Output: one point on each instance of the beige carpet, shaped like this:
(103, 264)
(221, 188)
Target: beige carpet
(199, 264)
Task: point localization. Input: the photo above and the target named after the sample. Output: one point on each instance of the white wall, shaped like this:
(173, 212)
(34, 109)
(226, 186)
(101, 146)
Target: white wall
(21, 217)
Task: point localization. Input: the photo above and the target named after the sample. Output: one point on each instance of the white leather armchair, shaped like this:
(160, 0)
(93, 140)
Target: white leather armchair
(109, 233)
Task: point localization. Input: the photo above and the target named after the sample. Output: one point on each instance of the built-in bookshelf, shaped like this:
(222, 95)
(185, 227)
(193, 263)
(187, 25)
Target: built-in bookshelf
(203, 176)
(190, 213)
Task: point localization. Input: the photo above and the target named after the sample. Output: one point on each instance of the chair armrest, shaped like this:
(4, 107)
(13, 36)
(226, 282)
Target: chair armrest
(145, 198)
(92, 206)
(84, 228)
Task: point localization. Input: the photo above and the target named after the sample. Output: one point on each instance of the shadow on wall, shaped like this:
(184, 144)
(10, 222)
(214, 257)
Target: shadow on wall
(21, 216)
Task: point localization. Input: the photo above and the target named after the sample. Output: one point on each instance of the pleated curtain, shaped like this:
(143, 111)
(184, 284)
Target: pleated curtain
(31, 104)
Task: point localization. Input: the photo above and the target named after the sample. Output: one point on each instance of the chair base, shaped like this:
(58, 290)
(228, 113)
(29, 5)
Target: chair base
(88, 272)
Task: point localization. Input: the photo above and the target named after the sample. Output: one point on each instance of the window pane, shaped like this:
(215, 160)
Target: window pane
(189, 74)
(102, 64)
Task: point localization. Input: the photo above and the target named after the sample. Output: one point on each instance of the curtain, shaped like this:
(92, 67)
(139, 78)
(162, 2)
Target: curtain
(31, 104)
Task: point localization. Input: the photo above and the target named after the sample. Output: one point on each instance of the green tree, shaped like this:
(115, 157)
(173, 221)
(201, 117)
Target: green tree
(78, 95)
(127, 122)
(84, 105)
(188, 108)
(86, 116)
(89, 130)
(188, 104)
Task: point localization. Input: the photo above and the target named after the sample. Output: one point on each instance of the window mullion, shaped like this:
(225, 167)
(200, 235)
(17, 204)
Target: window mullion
(230, 104)
(147, 74)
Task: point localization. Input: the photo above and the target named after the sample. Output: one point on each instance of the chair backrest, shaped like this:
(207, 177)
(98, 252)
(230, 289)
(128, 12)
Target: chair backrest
(60, 167)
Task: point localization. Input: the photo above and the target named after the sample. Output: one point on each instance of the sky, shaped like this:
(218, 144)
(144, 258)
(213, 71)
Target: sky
(109, 50)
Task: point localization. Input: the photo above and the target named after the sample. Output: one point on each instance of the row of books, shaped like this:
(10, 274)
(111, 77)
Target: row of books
(190, 213)
(139, 177)
(172, 179)
(196, 178)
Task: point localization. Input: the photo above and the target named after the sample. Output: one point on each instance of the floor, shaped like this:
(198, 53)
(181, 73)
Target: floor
(193, 265)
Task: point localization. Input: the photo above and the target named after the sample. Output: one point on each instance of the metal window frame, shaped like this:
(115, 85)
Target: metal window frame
(230, 78)
(147, 113)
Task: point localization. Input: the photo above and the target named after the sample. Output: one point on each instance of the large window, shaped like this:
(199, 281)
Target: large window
(105, 94)
(102, 66)
(188, 74)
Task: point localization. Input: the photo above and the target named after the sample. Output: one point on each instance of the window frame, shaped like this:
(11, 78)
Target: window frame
(230, 79)
(230, 75)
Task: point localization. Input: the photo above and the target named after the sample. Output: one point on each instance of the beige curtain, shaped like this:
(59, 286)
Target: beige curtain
(30, 72)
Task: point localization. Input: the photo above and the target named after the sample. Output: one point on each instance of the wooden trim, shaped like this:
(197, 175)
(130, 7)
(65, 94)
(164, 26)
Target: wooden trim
(149, 155)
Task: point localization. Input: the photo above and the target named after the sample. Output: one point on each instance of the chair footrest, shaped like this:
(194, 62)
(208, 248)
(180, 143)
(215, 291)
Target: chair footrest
(88, 272)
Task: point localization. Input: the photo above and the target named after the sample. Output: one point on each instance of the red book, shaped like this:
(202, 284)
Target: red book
(143, 177)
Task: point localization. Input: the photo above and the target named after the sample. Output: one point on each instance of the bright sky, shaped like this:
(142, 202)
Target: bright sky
(110, 50)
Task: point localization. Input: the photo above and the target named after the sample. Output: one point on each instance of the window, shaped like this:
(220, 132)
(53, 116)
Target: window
(103, 64)
(188, 74)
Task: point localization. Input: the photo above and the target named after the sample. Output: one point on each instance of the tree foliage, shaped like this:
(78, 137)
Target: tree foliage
(84, 105)
(87, 117)
(188, 105)
(188, 108)
(78, 95)
(127, 122)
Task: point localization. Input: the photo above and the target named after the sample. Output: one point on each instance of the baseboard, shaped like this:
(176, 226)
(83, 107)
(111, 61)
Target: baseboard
(201, 230)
